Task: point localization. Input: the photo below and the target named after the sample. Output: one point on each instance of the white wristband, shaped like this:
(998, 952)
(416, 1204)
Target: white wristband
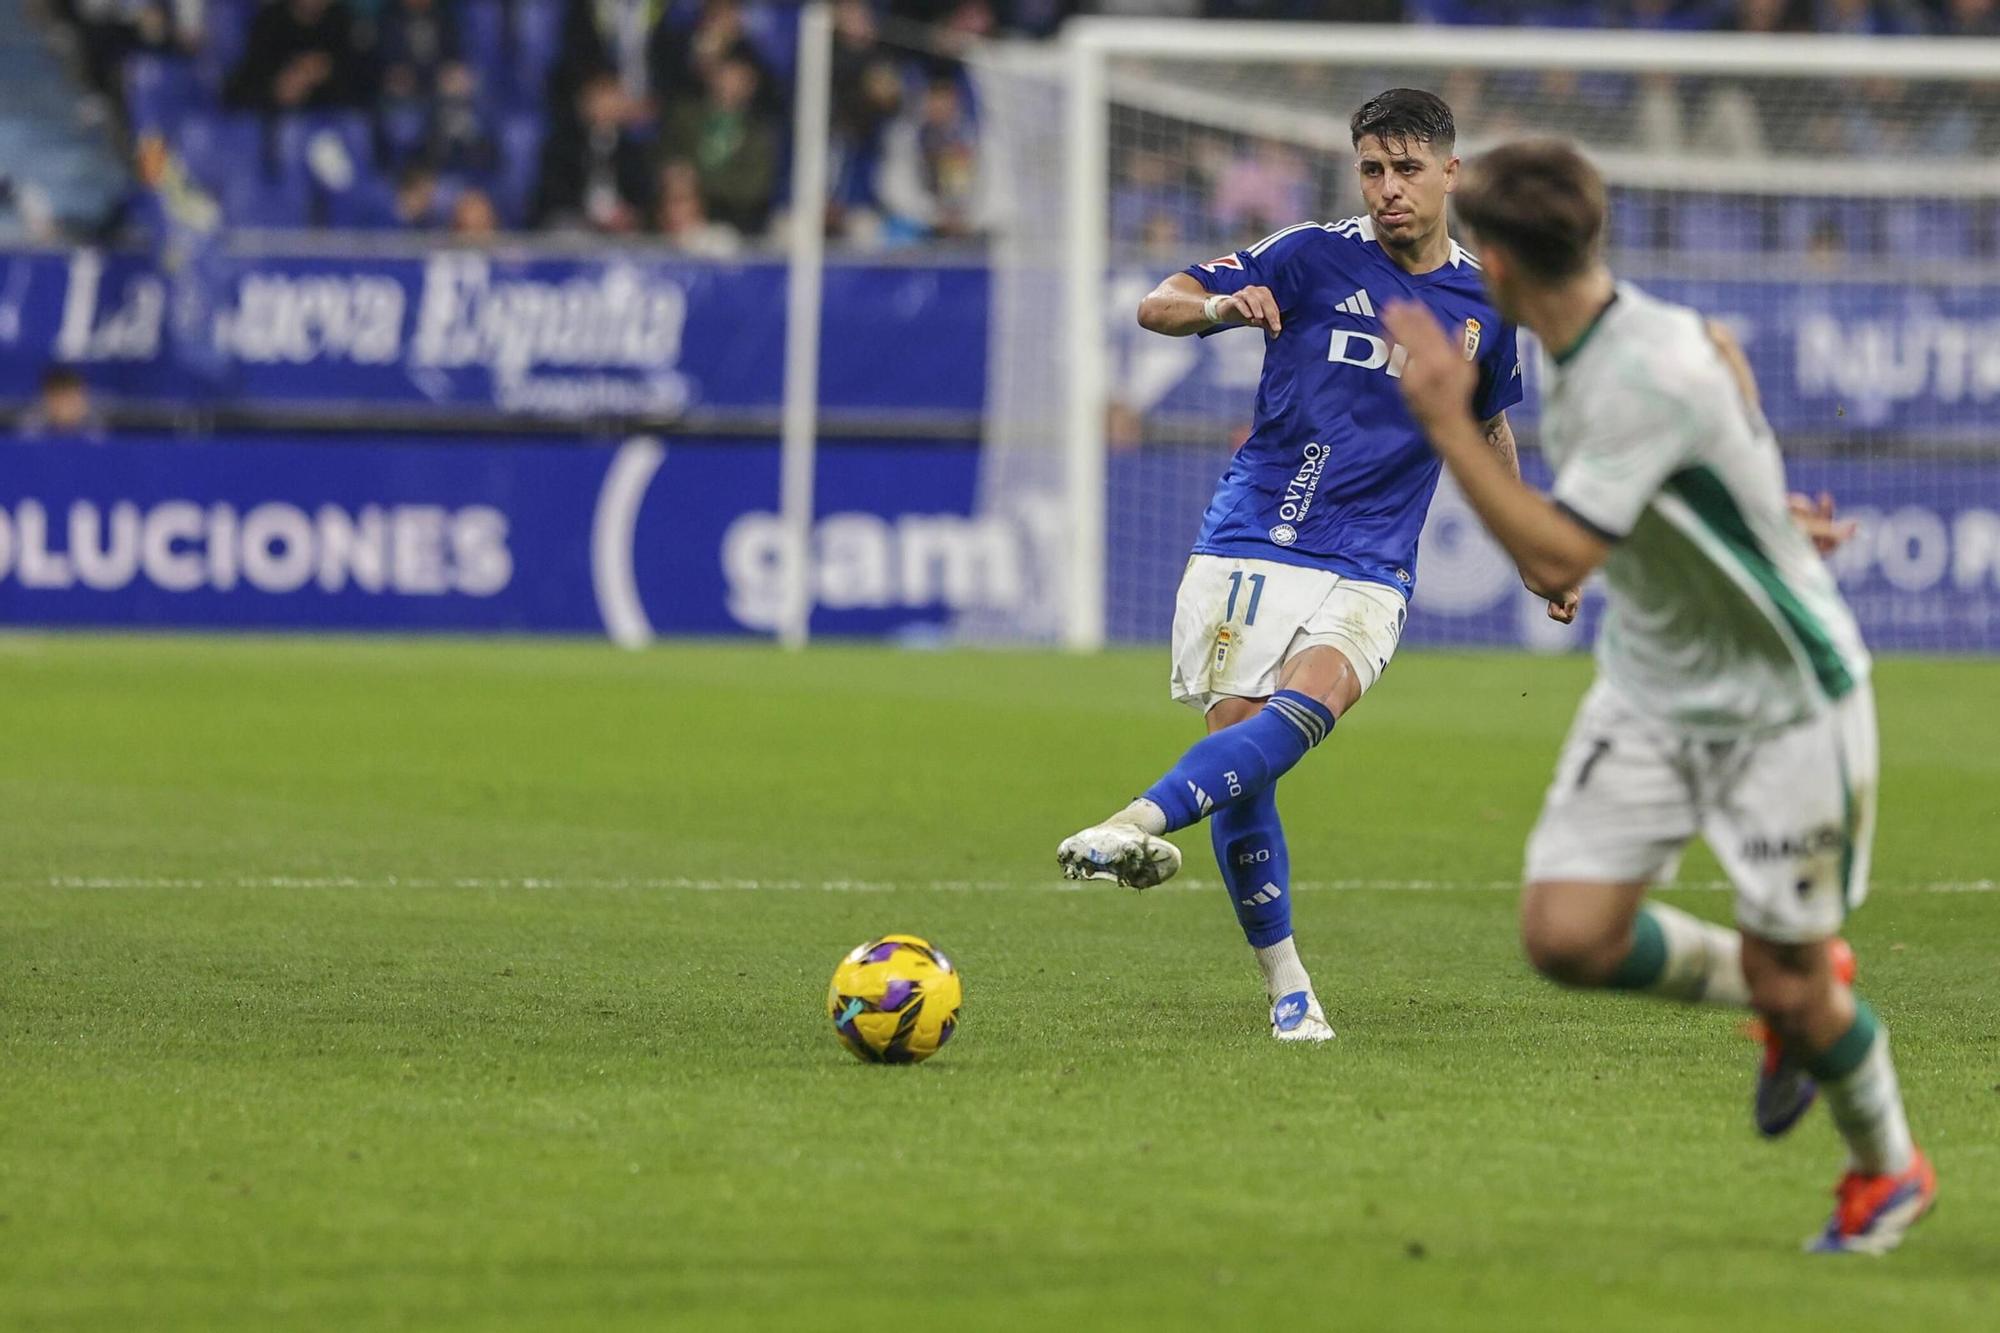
(1208, 308)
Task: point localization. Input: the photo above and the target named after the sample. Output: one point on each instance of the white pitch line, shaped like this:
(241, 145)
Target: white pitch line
(698, 885)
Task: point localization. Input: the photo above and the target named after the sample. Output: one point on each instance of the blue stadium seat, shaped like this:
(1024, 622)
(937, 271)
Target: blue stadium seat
(292, 136)
(1931, 230)
(537, 44)
(1717, 225)
(159, 90)
(482, 40)
(369, 206)
(774, 31)
(403, 126)
(1635, 220)
(253, 200)
(225, 28)
(520, 161)
(216, 146)
(226, 153)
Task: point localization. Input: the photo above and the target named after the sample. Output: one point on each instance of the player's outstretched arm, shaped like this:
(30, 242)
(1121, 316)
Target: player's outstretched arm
(1181, 306)
(1815, 518)
(1500, 438)
(1554, 552)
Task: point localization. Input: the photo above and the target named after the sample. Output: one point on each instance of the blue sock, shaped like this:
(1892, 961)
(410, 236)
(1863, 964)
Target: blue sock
(1256, 867)
(1239, 762)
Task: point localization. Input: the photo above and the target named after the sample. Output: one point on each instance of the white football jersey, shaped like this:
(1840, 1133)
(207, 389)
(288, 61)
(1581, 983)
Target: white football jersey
(1722, 615)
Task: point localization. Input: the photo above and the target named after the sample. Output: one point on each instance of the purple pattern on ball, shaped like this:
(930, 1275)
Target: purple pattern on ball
(883, 952)
(896, 994)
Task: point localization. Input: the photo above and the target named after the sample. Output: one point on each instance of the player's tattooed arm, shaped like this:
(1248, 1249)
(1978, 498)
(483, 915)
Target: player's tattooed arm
(1554, 552)
(1501, 436)
(1180, 306)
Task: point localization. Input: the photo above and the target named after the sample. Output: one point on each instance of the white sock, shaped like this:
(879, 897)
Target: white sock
(1143, 813)
(1704, 961)
(1283, 972)
(1867, 1106)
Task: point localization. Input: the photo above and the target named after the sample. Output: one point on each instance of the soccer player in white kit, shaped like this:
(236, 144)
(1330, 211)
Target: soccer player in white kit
(1732, 697)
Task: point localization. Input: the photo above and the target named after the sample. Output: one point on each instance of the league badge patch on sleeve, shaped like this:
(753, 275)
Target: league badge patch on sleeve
(1471, 339)
(1227, 261)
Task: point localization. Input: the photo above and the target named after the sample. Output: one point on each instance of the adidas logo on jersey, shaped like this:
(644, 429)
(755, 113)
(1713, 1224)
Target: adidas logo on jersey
(1358, 304)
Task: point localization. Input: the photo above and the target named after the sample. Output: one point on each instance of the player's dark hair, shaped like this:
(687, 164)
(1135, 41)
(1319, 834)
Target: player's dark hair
(56, 376)
(1540, 200)
(1403, 115)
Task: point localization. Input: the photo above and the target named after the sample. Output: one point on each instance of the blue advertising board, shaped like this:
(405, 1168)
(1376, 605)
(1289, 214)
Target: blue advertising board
(1922, 573)
(468, 332)
(489, 536)
(682, 537)
(639, 334)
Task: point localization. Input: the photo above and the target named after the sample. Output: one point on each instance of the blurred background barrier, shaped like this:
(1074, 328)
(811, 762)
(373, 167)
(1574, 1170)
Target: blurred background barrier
(681, 536)
(350, 256)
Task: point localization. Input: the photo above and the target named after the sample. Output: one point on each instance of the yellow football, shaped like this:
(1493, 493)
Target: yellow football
(894, 1000)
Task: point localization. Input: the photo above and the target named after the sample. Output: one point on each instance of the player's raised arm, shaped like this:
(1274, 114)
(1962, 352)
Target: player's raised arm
(1250, 288)
(1180, 306)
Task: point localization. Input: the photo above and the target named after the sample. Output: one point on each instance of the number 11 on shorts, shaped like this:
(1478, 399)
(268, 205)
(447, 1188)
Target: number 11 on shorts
(1256, 595)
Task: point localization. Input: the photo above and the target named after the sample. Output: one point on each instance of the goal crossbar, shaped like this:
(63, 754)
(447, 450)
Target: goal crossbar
(1964, 59)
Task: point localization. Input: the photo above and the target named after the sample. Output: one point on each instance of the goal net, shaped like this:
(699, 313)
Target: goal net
(1836, 201)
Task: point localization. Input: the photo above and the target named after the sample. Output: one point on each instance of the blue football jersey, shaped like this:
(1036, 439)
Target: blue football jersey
(1335, 474)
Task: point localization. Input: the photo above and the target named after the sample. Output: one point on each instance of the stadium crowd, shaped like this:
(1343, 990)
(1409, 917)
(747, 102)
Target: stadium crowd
(668, 119)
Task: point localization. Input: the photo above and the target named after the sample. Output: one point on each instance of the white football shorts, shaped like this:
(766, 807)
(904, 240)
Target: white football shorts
(1790, 813)
(1238, 621)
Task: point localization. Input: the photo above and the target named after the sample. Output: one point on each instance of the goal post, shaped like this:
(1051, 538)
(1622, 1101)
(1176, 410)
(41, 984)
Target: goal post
(1838, 199)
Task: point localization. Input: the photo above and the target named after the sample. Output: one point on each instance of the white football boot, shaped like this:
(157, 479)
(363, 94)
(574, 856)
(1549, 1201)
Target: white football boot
(1122, 852)
(1296, 1016)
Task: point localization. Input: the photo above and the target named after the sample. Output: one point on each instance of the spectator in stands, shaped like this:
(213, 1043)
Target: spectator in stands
(683, 60)
(1971, 18)
(594, 172)
(1261, 191)
(300, 54)
(683, 218)
(733, 145)
(473, 217)
(867, 93)
(1889, 119)
(111, 30)
(62, 410)
(415, 206)
(166, 211)
(617, 35)
(1153, 190)
(26, 212)
(1868, 18)
(929, 179)
(1770, 16)
(418, 49)
(456, 137)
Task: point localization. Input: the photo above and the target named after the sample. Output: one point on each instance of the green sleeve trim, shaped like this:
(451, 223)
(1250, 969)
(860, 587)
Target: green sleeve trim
(1845, 1056)
(1706, 494)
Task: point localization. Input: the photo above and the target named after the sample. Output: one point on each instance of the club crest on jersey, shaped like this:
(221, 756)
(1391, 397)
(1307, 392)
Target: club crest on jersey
(1226, 261)
(1471, 339)
(1284, 534)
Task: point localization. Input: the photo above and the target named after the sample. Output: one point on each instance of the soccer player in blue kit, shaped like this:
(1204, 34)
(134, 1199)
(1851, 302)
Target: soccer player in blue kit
(1295, 596)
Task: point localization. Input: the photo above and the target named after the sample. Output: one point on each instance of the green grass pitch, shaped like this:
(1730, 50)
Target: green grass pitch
(479, 985)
